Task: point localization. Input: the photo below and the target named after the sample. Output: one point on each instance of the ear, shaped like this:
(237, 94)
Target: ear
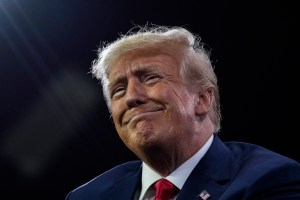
(204, 102)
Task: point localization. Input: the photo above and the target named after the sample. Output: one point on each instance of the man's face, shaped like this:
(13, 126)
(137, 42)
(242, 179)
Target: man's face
(150, 103)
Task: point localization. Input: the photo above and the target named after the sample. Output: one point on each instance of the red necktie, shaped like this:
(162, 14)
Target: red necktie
(165, 190)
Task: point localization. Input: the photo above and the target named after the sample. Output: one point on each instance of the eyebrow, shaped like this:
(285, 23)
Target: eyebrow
(140, 70)
(137, 71)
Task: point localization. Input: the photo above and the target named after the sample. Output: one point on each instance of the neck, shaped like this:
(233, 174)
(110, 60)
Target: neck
(165, 160)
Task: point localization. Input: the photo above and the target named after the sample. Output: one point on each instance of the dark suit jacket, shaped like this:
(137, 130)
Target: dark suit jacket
(228, 171)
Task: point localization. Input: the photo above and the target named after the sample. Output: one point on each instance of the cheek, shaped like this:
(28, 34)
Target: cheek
(116, 113)
(183, 103)
(163, 93)
(178, 95)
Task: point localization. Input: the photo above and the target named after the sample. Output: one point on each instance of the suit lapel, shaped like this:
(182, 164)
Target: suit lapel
(212, 174)
(126, 187)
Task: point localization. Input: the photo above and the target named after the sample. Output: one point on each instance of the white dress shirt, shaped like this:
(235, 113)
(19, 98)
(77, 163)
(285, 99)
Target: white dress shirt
(177, 177)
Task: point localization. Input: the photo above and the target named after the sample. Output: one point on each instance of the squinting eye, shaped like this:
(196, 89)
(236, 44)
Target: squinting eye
(151, 79)
(118, 92)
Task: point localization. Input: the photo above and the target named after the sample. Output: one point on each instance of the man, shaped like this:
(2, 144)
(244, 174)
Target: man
(163, 96)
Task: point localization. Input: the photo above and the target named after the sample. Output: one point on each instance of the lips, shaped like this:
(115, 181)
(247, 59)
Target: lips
(133, 114)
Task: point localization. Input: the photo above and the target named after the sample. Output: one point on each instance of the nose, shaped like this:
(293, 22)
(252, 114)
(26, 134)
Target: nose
(135, 94)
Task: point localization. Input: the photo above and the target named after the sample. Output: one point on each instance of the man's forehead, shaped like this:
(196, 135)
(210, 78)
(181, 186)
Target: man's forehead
(135, 70)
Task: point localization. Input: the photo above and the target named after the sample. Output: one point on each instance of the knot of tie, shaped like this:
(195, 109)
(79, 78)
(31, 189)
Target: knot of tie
(164, 189)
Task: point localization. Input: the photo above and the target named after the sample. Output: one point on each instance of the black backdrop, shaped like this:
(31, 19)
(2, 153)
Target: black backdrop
(56, 133)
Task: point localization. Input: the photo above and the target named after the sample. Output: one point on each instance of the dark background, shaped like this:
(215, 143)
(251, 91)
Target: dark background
(55, 130)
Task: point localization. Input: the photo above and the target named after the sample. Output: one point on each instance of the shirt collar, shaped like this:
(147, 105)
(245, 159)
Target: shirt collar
(178, 176)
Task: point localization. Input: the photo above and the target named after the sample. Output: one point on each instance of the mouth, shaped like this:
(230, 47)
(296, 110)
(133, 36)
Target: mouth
(131, 116)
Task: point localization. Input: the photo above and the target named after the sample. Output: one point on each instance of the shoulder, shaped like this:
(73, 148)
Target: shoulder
(120, 170)
(263, 172)
(250, 159)
(252, 154)
(248, 152)
(107, 179)
(252, 171)
(254, 159)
